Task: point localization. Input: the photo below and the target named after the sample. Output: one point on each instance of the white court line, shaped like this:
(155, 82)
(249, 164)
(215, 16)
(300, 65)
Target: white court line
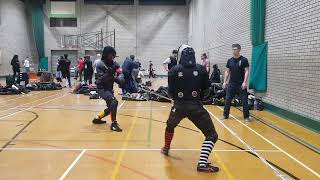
(33, 106)
(56, 106)
(28, 103)
(277, 147)
(126, 149)
(23, 104)
(64, 175)
(276, 171)
(80, 155)
(77, 108)
(9, 97)
(19, 97)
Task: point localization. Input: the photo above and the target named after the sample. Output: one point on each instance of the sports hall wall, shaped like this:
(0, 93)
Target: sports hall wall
(149, 32)
(293, 36)
(15, 34)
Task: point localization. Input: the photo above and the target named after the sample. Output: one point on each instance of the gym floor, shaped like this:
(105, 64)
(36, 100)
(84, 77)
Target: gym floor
(49, 135)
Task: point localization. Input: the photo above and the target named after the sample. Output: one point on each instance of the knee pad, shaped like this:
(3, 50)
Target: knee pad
(114, 103)
(213, 137)
(170, 126)
(106, 112)
(169, 129)
(111, 102)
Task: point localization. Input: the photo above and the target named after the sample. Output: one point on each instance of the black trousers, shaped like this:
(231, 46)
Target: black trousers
(67, 76)
(88, 77)
(79, 74)
(129, 86)
(151, 74)
(112, 103)
(15, 74)
(195, 112)
(232, 90)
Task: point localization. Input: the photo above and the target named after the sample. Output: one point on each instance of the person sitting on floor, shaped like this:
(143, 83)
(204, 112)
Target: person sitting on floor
(215, 76)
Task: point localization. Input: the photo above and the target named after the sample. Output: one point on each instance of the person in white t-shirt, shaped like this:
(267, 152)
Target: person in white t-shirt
(26, 64)
(95, 63)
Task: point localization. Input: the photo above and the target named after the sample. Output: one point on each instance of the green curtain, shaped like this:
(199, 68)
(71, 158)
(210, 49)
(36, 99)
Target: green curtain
(258, 73)
(258, 14)
(37, 26)
(43, 64)
(258, 70)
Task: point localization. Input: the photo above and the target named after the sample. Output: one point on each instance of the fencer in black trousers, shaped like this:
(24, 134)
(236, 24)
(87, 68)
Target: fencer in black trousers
(187, 82)
(105, 78)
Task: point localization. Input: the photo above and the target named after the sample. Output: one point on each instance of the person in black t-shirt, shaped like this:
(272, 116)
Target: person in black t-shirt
(65, 68)
(236, 81)
(16, 68)
(88, 70)
(171, 61)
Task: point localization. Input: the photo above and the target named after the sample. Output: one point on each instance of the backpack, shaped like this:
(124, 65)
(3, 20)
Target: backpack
(9, 80)
(260, 105)
(148, 83)
(163, 91)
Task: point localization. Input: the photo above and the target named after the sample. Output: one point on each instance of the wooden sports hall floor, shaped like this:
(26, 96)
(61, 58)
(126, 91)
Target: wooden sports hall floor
(49, 135)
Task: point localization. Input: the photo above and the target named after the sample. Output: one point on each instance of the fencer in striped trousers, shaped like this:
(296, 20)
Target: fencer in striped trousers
(200, 117)
(186, 83)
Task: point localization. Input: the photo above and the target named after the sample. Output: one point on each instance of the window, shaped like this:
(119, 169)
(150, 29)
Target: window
(110, 2)
(163, 2)
(63, 22)
(63, 8)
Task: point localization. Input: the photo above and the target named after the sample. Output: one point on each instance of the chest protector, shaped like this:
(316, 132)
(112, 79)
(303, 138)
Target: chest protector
(188, 82)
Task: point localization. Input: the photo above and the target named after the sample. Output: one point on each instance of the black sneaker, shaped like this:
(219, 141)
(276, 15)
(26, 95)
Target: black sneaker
(208, 168)
(115, 127)
(98, 121)
(165, 151)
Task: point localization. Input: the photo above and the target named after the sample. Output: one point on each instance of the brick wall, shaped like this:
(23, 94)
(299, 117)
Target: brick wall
(293, 34)
(215, 25)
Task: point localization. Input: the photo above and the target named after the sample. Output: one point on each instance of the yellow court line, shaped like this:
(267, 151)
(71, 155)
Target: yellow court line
(120, 157)
(224, 167)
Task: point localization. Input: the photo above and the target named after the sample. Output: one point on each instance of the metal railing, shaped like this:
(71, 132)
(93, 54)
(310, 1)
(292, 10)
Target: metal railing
(93, 40)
